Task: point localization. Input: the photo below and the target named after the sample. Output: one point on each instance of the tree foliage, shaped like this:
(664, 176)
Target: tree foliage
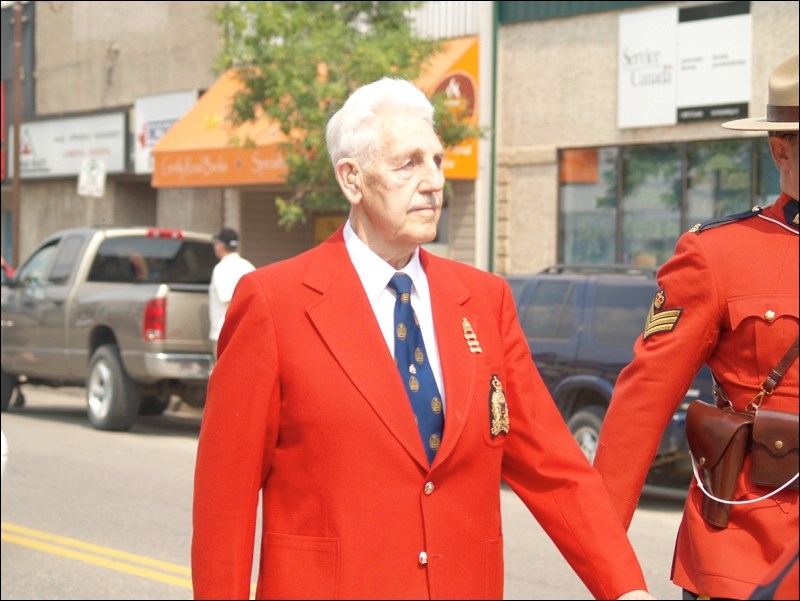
(299, 61)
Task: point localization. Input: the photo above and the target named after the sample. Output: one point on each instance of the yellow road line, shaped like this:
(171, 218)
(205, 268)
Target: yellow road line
(97, 549)
(94, 554)
(97, 555)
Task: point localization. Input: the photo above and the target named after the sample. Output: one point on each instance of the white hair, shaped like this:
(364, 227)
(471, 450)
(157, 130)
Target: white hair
(352, 131)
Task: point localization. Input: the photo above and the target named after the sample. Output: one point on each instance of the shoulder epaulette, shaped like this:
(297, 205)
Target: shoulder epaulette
(726, 219)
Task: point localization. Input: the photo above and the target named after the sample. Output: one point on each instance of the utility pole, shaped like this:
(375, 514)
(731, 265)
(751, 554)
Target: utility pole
(17, 78)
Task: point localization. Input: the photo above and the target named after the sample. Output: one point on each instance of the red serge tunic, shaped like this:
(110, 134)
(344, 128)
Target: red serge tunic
(728, 297)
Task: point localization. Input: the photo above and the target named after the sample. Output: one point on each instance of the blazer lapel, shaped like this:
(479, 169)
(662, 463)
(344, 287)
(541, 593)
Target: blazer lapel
(357, 344)
(448, 297)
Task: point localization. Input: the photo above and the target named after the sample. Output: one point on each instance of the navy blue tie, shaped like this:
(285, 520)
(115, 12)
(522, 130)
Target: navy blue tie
(415, 369)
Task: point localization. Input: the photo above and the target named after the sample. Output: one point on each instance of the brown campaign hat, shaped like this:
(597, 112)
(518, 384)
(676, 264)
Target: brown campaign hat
(782, 109)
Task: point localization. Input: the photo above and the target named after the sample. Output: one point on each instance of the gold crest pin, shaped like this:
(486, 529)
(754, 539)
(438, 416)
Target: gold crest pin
(498, 408)
(472, 340)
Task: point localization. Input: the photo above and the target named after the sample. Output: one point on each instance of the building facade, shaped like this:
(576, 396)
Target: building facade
(106, 80)
(580, 175)
(576, 167)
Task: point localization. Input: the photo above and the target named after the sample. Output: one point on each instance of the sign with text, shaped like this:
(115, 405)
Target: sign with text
(677, 65)
(714, 68)
(646, 68)
(92, 178)
(154, 115)
(58, 147)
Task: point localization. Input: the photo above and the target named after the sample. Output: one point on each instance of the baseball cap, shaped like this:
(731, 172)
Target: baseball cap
(228, 237)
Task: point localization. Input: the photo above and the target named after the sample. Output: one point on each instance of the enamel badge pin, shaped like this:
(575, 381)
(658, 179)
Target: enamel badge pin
(472, 340)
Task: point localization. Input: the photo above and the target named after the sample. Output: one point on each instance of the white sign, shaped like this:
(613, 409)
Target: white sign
(678, 65)
(646, 78)
(58, 147)
(154, 116)
(714, 74)
(92, 178)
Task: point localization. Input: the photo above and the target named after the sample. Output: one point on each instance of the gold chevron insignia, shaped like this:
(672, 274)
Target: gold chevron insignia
(663, 321)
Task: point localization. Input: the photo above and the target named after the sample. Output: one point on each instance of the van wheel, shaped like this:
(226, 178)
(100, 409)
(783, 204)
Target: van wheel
(585, 427)
(7, 383)
(112, 398)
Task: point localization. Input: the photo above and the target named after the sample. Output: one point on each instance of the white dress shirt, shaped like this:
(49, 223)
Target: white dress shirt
(375, 274)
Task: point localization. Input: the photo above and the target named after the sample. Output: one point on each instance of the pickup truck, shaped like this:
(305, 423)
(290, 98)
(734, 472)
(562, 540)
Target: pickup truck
(121, 311)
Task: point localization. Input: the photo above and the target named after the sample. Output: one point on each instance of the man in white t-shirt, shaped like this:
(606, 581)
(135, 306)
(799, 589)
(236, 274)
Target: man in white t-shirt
(224, 278)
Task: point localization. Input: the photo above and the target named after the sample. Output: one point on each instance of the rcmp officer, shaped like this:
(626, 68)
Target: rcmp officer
(728, 298)
(308, 413)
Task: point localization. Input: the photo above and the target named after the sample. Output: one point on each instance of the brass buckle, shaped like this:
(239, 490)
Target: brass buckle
(756, 401)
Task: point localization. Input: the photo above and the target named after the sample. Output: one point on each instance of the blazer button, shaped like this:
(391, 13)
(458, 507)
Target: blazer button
(429, 487)
(423, 558)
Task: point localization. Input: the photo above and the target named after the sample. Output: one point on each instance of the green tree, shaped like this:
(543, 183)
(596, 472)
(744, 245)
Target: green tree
(299, 61)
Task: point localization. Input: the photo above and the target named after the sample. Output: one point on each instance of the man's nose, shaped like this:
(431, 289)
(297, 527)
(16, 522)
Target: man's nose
(433, 176)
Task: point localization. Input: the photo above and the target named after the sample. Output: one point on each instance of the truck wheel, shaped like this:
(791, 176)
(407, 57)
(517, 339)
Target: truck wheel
(7, 383)
(585, 427)
(112, 397)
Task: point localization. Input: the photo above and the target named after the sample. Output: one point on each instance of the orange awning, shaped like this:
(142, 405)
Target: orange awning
(197, 150)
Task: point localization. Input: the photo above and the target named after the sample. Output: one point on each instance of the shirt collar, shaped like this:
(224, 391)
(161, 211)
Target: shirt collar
(790, 211)
(374, 272)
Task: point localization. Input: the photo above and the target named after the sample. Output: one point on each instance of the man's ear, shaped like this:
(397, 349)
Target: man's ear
(348, 175)
(779, 147)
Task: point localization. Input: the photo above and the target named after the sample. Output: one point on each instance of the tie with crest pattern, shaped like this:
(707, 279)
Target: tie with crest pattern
(415, 369)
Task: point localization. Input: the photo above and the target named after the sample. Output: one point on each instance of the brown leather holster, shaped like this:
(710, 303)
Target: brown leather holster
(719, 440)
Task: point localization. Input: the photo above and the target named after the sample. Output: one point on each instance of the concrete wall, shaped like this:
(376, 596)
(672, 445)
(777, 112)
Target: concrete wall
(91, 55)
(197, 209)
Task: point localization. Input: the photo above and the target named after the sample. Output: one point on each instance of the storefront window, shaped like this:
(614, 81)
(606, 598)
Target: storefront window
(651, 201)
(769, 181)
(720, 179)
(589, 205)
(630, 204)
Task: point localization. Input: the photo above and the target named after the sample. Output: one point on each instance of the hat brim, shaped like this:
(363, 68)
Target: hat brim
(760, 124)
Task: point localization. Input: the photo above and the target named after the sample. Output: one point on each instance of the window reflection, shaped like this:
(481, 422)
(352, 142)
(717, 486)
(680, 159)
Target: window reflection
(588, 205)
(651, 202)
(630, 204)
(720, 179)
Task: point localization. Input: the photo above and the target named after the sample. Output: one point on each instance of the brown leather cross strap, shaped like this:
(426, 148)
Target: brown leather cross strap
(776, 373)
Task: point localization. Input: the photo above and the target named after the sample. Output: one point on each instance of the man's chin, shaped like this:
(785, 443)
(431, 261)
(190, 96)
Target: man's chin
(428, 238)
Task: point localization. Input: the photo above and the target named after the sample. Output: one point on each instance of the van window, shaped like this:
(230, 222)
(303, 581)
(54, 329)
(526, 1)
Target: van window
(621, 312)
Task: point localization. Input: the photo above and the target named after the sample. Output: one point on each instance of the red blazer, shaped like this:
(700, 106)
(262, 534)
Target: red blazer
(729, 298)
(306, 405)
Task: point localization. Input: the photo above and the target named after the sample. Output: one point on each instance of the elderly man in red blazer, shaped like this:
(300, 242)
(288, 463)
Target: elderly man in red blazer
(307, 407)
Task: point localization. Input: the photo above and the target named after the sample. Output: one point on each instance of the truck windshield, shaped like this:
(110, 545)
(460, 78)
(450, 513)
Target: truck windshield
(138, 259)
